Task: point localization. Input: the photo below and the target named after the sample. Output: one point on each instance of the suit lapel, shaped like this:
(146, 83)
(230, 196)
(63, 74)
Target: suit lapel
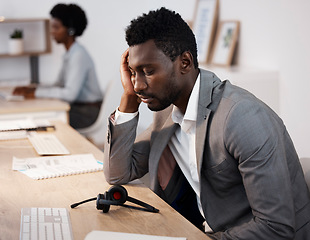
(203, 113)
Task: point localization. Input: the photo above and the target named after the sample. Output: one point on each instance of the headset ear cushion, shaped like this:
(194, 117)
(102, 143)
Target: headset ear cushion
(118, 193)
(105, 208)
(71, 31)
(101, 206)
(98, 204)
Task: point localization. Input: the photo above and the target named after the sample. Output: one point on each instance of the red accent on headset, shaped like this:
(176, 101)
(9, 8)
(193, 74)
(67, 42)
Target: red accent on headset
(117, 195)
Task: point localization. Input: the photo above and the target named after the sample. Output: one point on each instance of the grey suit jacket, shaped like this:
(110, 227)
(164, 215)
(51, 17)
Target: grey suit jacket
(252, 184)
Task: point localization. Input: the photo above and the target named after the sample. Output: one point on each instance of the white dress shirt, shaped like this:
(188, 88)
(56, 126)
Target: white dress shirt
(182, 143)
(77, 80)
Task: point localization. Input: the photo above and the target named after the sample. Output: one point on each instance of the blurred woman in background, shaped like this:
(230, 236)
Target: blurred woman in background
(77, 81)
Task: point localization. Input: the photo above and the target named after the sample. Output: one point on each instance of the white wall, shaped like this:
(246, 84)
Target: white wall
(274, 36)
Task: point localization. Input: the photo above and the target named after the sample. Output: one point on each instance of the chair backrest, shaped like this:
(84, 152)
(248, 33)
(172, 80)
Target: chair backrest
(96, 131)
(305, 163)
(103, 114)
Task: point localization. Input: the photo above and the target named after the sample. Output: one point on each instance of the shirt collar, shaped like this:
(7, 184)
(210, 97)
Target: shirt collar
(191, 109)
(71, 50)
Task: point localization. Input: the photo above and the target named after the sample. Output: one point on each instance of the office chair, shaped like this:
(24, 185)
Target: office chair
(96, 132)
(305, 163)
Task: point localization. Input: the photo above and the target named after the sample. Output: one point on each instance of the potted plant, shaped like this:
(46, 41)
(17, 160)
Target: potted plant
(16, 42)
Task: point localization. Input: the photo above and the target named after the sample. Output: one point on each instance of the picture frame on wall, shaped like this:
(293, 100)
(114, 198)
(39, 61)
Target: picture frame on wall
(225, 43)
(204, 25)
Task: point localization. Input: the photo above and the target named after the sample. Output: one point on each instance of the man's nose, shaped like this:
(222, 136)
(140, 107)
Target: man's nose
(139, 83)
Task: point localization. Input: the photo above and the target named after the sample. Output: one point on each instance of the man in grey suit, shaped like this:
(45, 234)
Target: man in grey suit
(214, 152)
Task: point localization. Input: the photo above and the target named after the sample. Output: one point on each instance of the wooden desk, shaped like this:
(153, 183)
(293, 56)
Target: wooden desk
(18, 191)
(51, 109)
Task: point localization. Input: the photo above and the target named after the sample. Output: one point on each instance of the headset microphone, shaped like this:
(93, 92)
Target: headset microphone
(117, 195)
(77, 204)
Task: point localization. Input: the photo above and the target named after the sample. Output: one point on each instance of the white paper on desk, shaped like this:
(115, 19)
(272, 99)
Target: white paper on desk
(56, 166)
(21, 124)
(12, 135)
(95, 235)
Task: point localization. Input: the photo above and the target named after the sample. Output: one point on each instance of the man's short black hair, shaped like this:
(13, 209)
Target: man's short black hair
(71, 16)
(169, 31)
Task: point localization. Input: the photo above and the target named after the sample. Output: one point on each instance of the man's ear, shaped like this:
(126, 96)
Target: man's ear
(186, 62)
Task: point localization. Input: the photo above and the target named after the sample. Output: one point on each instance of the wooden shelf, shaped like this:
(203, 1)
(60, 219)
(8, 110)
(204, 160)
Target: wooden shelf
(27, 54)
(33, 54)
(18, 20)
(46, 36)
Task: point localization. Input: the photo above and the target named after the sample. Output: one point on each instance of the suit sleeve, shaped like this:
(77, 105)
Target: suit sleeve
(125, 157)
(257, 138)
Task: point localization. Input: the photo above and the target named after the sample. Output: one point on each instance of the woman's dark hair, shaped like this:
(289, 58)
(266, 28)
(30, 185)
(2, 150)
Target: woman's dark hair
(169, 31)
(71, 16)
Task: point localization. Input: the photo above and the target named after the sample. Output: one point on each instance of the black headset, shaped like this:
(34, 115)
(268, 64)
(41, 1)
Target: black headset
(71, 31)
(117, 195)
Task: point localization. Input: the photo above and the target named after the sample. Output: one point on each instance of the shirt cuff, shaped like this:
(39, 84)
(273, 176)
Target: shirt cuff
(121, 117)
